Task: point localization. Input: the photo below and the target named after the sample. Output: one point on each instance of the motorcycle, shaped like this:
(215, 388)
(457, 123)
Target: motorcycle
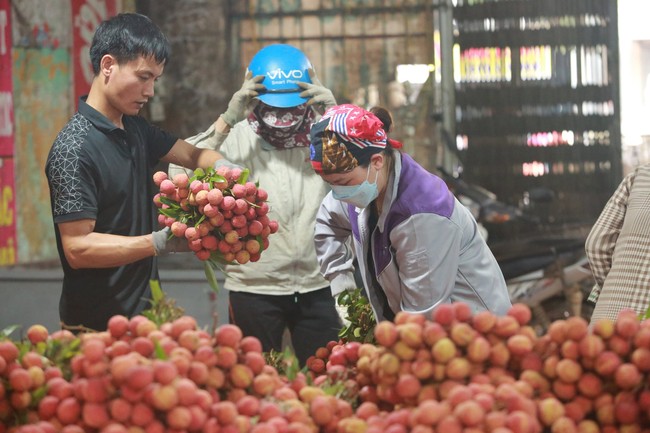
(544, 265)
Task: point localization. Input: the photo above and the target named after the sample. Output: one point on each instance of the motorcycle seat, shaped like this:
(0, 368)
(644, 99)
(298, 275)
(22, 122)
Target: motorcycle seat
(521, 257)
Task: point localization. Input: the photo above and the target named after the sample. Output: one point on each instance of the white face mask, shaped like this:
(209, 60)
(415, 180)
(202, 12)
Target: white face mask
(357, 195)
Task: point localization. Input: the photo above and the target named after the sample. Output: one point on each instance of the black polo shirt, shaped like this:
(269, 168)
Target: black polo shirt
(98, 171)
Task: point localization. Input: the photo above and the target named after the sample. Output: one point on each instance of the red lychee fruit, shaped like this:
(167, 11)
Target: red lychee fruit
(158, 177)
(167, 187)
(181, 180)
(37, 333)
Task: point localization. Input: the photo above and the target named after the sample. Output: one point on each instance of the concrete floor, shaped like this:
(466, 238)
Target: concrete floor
(30, 295)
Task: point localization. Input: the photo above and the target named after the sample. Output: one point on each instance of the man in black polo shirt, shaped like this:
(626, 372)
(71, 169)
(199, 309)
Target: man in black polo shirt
(99, 171)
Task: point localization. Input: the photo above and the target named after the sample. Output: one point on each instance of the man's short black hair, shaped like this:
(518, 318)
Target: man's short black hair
(128, 36)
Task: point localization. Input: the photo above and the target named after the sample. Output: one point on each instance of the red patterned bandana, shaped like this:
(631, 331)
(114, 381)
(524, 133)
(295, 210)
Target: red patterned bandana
(345, 138)
(283, 128)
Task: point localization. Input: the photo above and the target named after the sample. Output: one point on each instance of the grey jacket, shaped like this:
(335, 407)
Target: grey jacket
(426, 247)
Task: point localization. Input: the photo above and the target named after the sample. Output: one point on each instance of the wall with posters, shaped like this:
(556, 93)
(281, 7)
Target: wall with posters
(42, 106)
(45, 45)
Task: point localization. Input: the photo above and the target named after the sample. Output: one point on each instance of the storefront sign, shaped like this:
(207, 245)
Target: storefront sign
(6, 90)
(86, 16)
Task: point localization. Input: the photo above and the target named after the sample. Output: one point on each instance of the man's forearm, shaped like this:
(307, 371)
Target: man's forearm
(100, 250)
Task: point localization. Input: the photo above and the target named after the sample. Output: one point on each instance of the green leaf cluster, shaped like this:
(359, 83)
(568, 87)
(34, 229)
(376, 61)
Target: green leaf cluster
(285, 362)
(360, 316)
(162, 309)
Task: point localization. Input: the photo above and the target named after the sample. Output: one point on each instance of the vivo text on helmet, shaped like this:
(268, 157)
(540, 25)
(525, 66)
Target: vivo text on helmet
(282, 66)
(278, 76)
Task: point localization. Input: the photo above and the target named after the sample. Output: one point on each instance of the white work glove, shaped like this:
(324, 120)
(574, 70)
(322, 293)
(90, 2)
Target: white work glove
(239, 102)
(223, 162)
(316, 92)
(164, 243)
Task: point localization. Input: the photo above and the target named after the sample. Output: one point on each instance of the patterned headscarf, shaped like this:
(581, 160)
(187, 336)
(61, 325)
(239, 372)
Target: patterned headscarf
(345, 138)
(283, 128)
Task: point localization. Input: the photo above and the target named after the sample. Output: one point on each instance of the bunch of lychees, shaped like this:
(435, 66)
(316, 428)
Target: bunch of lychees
(221, 214)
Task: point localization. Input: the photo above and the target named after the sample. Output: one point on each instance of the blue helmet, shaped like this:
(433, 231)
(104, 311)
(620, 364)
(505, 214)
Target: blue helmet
(282, 66)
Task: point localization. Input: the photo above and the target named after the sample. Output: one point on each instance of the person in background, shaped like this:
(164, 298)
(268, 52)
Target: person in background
(417, 247)
(99, 172)
(618, 249)
(266, 128)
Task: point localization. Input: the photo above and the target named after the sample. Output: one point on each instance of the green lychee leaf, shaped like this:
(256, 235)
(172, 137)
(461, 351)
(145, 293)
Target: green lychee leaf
(211, 276)
(291, 364)
(156, 291)
(216, 178)
(172, 212)
(169, 202)
(38, 394)
(6, 332)
(60, 352)
(243, 177)
(344, 298)
(159, 352)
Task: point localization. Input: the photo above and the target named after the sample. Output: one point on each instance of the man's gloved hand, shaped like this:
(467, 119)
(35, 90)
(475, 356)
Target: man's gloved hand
(163, 244)
(237, 106)
(316, 92)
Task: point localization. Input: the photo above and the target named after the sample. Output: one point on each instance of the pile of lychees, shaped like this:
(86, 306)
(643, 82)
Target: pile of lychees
(221, 214)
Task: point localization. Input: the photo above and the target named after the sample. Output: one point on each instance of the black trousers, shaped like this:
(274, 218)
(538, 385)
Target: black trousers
(311, 318)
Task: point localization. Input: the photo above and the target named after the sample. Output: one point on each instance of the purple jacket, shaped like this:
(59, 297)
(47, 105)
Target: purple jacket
(426, 247)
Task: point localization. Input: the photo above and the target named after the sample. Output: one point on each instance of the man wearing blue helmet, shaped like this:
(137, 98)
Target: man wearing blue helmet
(266, 128)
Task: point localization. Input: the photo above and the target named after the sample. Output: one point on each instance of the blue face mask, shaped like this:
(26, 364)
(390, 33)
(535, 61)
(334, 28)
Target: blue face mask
(357, 195)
